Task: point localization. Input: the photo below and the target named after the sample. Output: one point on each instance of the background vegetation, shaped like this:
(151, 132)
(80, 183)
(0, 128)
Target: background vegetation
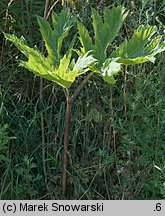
(117, 143)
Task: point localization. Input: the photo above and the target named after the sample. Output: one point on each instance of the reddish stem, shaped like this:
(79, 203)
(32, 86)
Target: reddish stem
(51, 9)
(66, 143)
(46, 8)
(66, 131)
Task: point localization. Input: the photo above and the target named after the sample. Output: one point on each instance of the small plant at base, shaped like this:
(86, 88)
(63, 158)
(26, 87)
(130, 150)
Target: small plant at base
(26, 178)
(63, 69)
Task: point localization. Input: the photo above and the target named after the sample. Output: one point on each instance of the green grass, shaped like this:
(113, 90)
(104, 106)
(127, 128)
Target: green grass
(117, 145)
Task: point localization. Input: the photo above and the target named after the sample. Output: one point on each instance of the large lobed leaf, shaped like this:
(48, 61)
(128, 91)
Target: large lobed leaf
(36, 63)
(142, 47)
(53, 38)
(63, 74)
(105, 31)
(57, 68)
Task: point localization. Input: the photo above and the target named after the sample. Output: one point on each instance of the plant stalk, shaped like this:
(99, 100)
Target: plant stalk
(69, 101)
(66, 143)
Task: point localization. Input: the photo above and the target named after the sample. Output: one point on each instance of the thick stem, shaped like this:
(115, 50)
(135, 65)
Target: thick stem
(66, 131)
(66, 142)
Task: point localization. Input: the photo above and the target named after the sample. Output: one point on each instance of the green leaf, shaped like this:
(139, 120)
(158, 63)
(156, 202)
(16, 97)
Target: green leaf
(84, 38)
(62, 24)
(142, 47)
(53, 38)
(105, 31)
(62, 70)
(50, 41)
(36, 63)
(63, 74)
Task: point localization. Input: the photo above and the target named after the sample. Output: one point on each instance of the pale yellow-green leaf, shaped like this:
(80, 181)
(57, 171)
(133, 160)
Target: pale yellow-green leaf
(64, 73)
(142, 47)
